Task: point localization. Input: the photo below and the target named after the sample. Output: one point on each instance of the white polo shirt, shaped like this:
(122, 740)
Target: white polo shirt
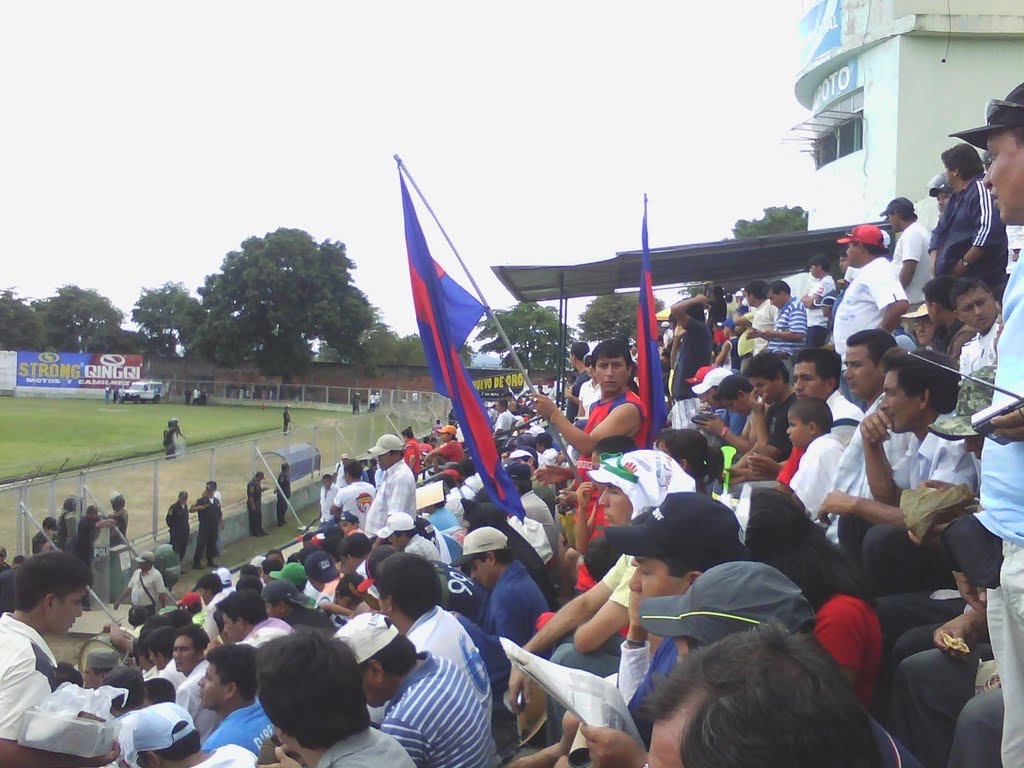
(863, 305)
(846, 417)
(912, 245)
(23, 683)
(935, 459)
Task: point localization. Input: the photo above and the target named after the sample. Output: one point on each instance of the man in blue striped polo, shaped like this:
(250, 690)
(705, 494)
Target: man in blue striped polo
(790, 332)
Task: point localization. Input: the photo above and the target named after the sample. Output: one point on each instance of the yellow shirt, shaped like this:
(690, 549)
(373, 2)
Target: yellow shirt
(617, 580)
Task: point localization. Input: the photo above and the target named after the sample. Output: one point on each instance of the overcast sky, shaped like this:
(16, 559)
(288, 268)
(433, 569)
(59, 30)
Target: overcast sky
(142, 142)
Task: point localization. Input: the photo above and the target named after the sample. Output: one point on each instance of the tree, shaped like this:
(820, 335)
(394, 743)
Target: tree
(532, 330)
(79, 320)
(776, 221)
(278, 296)
(20, 325)
(168, 318)
(611, 316)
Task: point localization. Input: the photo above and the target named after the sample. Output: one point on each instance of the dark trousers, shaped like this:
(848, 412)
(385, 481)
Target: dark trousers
(891, 560)
(179, 543)
(908, 622)
(282, 510)
(256, 522)
(933, 702)
(206, 543)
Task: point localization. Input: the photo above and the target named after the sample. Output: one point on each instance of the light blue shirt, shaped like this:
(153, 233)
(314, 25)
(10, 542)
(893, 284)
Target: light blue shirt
(247, 727)
(1002, 493)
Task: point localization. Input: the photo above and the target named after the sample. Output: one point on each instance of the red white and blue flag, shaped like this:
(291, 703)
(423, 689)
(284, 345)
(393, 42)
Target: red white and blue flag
(446, 314)
(648, 360)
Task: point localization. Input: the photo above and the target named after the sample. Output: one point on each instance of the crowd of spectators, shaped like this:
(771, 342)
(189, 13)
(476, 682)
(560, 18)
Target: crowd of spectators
(817, 563)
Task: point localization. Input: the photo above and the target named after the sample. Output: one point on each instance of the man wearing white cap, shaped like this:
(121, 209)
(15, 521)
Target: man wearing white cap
(397, 491)
(429, 703)
(164, 736)
(146, 586)
(515, 602)
(400, 532)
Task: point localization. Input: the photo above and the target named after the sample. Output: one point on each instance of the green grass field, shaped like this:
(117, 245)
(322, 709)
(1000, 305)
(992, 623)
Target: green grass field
(39, 435)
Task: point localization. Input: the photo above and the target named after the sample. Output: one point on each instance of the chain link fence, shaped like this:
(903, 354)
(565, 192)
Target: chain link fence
(369, 398)
(151, 485)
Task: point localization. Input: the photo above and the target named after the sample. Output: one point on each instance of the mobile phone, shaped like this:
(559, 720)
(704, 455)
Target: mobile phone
(982, 420)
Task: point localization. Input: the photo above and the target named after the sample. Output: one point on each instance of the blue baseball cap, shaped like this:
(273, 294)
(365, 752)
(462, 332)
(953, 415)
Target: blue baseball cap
(320, 567)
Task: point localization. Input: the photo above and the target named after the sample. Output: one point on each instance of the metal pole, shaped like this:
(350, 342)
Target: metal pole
(277, 486)
(558, 439)
(156, 497)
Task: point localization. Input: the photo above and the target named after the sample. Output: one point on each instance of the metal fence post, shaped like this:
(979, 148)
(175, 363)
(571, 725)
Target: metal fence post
(156, 495)
(213, 464)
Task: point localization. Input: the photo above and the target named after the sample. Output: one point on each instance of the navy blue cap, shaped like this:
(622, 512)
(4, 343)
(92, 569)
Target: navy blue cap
(689, 527)
(320, 567)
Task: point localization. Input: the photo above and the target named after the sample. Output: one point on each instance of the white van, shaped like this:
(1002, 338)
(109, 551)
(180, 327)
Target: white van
(143, 392)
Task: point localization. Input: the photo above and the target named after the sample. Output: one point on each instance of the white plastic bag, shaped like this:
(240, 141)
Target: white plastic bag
(56, 724)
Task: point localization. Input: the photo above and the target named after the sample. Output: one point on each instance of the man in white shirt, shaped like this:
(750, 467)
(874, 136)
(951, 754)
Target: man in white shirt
(916, 393)
(874, 298)
(328, 490)
(977, 307)
(48, 599)
(816, 373)
(146, 586)
(911, 264)
(505, 419)
(397, 490)
(355, 496)
(764, 313)
(190, 645)
(410, 596)
(817, 323)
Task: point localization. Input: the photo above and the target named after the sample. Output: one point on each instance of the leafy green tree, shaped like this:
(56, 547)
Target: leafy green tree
(532, 330)
(168, 318)
(776, 221)
(276, 297)
(79, 320)
(611, 316)
(20, 325)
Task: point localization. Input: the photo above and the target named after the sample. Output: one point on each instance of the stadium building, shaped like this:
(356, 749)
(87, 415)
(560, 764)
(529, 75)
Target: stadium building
(886, 81)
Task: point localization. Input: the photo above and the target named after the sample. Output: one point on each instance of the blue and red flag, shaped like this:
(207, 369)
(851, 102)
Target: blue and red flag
(648, 360)
(446, 314)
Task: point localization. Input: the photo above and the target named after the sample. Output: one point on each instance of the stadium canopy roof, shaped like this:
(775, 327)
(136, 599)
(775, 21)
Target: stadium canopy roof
(729, 263)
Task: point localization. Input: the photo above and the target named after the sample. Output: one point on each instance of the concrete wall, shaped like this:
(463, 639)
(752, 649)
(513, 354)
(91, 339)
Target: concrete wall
(236, 528)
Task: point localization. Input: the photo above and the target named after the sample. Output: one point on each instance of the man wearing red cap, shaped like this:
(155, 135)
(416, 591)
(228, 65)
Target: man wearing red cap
(450, 449)
(875, 298)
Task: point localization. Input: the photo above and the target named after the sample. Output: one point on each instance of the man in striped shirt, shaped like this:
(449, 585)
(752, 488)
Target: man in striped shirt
(430, 706)
(790, 330)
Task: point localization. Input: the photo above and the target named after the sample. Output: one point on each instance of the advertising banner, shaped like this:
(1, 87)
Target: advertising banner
(844, 80)
(500, 384)
(820, 30)
(77, 370)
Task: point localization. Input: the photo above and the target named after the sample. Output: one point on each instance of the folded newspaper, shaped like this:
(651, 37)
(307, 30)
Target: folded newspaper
(594, 701)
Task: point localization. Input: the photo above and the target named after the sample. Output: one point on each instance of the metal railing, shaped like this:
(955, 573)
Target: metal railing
(151, 485)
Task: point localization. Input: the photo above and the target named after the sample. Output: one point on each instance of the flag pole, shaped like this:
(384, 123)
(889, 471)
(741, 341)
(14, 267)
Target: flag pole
(558, 438)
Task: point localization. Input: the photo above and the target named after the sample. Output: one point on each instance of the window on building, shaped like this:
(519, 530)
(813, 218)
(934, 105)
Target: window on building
(846, 136)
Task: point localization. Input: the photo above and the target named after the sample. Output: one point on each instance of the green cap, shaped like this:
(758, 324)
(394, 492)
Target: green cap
(974, 397)
(293, 572)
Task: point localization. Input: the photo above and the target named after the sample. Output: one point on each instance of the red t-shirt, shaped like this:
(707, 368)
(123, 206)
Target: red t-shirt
(848, 628)
(411, 455)
(602, 410)
(791, 466)
(452, 451)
